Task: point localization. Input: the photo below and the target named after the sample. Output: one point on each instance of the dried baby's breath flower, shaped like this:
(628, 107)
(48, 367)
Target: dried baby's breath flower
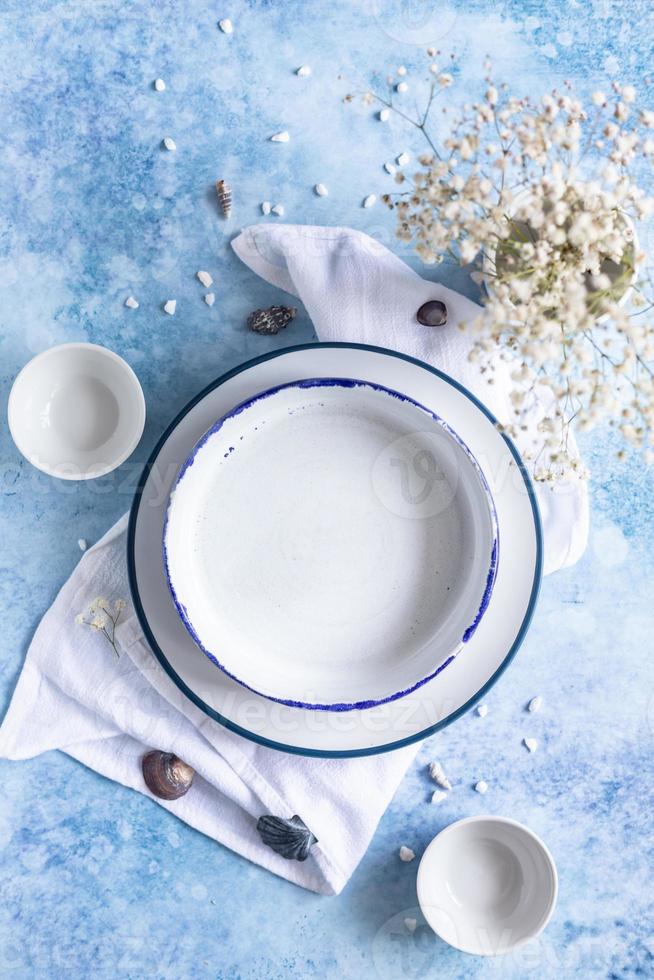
(543, 194)
(102, 616)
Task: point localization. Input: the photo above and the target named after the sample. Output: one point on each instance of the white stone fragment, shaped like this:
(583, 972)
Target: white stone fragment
(204, 278)
(210, 299)
(226, 26)
(481, 786)
(160, 85)
(406, 854)
(369, 201)
(438, 796)
(131, 303)
(282, 137)
(482, 710)
(170, 143)
(531, 744)
(401, 87)
(321, 190)
(82, 544)
(410, 924)
(401, 70)
(535, 704)
(265, 207)
(278, 210)
(384, 115)
(403, 159)
(170, 306)
(390, 168)
(303, 71)
(437, 773)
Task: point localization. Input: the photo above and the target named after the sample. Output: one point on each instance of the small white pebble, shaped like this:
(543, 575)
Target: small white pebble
(530, 743)
(390, 168)
(170, 143)
(321, 190)
(210, 299)
(401, 87)
(369, 201)
(160, 85)
(437, 773)
(384, 115)
(401, 70)
(482, 710)
(481, 786)
(170, 306)
(403, 159)
(131, 303)
(438, 796)
(278, 210)
(282, 137)
(535, 704)
(410, 924)
(82, 544)
(406, 854)
(226, 26)
(265, 207)
(303, 71)
(204, 278)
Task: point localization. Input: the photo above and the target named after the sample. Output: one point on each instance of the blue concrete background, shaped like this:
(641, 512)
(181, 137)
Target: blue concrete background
(95, 881)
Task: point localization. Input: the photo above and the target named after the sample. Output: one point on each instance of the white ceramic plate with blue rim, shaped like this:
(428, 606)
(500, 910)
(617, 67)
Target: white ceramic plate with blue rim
(431, 705)
(331, 544)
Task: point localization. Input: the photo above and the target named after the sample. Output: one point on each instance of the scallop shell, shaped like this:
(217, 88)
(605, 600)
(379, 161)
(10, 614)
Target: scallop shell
(165, 775)
(290, 838)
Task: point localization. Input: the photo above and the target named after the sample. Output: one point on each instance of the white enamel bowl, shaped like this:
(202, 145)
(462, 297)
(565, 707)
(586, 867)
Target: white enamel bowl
(331, 544)
(487, 885)
(76, 411)
(157, 629)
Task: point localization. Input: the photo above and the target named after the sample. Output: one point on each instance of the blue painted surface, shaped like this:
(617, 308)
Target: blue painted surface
(94, 880)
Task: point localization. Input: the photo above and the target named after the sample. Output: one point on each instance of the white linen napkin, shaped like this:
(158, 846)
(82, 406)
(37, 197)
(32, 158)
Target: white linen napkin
(354, 289)
(75, 694)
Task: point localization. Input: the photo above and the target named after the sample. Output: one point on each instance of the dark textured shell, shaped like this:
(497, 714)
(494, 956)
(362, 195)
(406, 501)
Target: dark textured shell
(165, 775)
(290, 838)
(272, 320)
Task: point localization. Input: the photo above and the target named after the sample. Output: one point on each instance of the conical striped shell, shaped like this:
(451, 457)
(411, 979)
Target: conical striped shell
(224, 192)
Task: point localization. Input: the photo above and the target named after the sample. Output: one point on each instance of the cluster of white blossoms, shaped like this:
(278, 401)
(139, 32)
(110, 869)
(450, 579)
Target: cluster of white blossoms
(544, 196)
(103, 617)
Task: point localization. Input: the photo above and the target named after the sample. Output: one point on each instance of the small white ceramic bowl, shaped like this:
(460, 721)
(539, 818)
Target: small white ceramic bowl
(76, 411)
(487, 885)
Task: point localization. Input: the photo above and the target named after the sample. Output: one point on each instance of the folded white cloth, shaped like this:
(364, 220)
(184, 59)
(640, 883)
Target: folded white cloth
(355, 290)
(75, 694)
(106, 710)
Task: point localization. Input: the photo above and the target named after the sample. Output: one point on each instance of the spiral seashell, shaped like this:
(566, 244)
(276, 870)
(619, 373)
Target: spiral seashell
(224, 192)
(290, 838)
(165, 775)
(272, 320)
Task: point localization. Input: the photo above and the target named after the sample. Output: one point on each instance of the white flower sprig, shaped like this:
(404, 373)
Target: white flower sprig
(103, 617)
(544, 195)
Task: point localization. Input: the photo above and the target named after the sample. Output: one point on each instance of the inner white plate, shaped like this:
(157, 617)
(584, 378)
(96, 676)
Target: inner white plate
(331, 543)
(395, 723)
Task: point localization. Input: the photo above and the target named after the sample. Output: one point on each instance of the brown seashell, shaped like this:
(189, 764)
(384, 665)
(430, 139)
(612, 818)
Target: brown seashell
(224, 192)
(272, 320)
(165, 775)
(432, 314)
